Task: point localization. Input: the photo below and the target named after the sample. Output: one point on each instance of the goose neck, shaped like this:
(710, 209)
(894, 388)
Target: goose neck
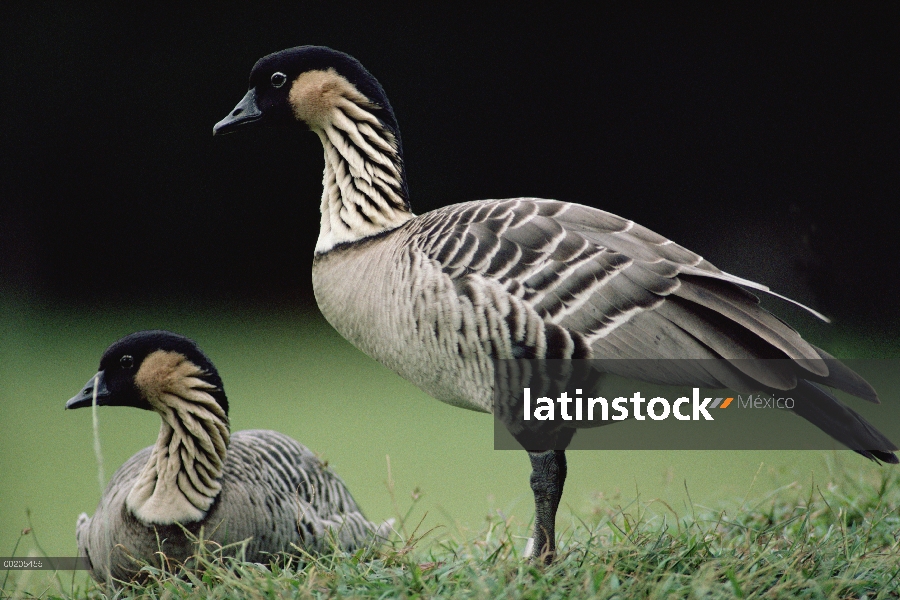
(364, 184)
(181, 480)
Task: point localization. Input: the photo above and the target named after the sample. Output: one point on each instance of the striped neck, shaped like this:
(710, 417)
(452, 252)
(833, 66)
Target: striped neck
(364, 184)
(181, 479)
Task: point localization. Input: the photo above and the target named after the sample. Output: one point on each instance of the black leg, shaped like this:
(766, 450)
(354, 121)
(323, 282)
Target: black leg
(548, 475)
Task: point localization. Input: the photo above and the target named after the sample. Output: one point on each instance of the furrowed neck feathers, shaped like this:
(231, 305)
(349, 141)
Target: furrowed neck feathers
(181, 480)
(364, 183)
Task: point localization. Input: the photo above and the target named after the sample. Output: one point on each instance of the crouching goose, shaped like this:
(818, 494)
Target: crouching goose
(436, 297)
(254, 485)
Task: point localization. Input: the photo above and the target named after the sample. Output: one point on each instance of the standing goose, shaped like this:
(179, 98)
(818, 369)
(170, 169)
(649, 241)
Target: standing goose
(258, 485)
(436, 297)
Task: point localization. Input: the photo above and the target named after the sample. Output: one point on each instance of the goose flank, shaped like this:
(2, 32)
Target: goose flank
(436, 297)
(255, 485)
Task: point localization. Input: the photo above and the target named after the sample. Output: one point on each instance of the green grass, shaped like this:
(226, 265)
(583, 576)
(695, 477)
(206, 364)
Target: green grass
(836, 540)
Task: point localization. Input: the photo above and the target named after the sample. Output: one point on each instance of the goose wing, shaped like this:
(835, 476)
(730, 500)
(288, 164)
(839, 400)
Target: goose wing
(550, 279)
(280, 489)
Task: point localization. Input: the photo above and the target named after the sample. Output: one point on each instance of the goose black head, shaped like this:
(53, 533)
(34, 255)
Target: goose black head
(140, 361)
(300, 84)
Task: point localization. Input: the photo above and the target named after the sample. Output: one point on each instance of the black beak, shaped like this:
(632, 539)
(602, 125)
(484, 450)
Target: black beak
(86, 396)
(244, 113)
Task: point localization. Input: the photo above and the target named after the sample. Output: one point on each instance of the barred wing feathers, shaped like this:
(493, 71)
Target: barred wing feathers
(551, 279)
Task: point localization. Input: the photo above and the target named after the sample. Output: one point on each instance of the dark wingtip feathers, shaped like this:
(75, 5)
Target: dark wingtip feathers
(880, 456)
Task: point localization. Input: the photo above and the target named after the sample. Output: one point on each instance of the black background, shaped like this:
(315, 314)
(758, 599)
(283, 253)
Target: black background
(764, 137)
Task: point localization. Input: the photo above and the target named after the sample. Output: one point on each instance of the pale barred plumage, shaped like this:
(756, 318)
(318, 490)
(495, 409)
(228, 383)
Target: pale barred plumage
(254, 485)
(436, 297)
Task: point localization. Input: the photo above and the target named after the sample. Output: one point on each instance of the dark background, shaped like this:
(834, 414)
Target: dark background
(766, 138)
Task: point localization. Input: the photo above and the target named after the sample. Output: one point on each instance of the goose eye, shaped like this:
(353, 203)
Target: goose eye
(127, 361)
(278, 79)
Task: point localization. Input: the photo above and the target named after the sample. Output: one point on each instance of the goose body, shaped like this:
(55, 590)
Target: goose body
(257, 486)
(420, 349)
(437, 297)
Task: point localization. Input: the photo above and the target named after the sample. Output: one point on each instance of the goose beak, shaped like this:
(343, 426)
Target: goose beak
(86, 396)
(244, 113)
